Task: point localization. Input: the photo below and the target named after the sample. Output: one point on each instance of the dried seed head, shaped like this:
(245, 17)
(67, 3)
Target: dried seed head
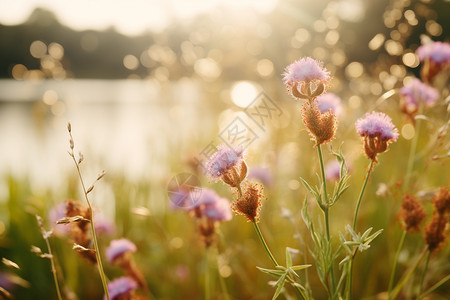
(442, 201)
(10, 264)
(69, 127)
(321, 126)
(249, 203)
(412, 213)
(435, 231)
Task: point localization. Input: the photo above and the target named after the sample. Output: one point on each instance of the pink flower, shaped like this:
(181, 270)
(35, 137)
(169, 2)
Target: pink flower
(305, 70)
(306, 78)
(219, 210)
(332, 170)
(416, 92)
(261, 174)
(377, 124)
(223, 160)
(328, 101)
(122, 286)
(103, 225)
(438, 52)
(119, 247)
(377, 132)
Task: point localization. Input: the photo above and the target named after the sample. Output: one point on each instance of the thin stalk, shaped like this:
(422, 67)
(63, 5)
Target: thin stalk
(94, 236)
(412, 152)
(207, 279)
(263, 242)
(91, 215)
(394, 268)
(325, 194)
(406, 277)
(369, 170)
(223, 284)
(422, 280)
(435, 286)
(325, 202)
(274, 261)
(349, 286)
(55, 279)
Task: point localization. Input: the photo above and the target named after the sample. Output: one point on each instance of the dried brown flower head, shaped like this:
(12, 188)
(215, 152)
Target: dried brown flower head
(442, 201)
(412, 213)
(435, 231)
(249, 203)
(321, 126)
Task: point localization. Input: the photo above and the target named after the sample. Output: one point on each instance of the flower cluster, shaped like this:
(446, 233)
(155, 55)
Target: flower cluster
(377, 132)
(248, 202)
(308, 79)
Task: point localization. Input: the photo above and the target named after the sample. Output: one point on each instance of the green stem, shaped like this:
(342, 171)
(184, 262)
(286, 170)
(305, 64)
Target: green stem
(263, 242)
(362, 193)
(325, 210)
(434, 287)
(272, 258)
(394, 267)
(223, 284)
(207, 279)
(422, 280)
(55, 279)
(412, 152)
(406, 277)
(325, 194)
(94, 236)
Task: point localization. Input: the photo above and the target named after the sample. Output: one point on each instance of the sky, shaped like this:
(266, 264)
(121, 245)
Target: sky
(130, 17)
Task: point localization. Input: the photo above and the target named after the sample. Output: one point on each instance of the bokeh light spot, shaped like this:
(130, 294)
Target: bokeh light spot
(243, 93)
(408, 131)
(130, 62)
(38, 49)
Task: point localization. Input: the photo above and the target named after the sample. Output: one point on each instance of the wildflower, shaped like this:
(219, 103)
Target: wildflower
(417, 93)
(436, 56)
(219, 210)
(121, 288)
(228, 164)
(118, 248)
(442, 201)
(333, 171)
(328, 101)
(306, 78)
(321, 126)
(377, 132)
(261, 174)
(57, 212)
(249, 203)
(412, 213)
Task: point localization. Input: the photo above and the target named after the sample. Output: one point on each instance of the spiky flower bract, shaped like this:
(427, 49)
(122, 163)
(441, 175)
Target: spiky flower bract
(121, 288)
(119, 247)
(306, 78)
(377, 132)
(441, 201)
(412, 213)
(249, 203)
(321, 126)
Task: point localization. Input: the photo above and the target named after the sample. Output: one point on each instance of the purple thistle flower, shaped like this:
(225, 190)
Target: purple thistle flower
(223, 160)
(305, 70)
(103, 225)
(377, 124)
(328, 101)
(261, 174)
(437, 52)
(333, 170)
(219, 210)
(121, 286)
(118, 247)
(416, 92)
(58, 211)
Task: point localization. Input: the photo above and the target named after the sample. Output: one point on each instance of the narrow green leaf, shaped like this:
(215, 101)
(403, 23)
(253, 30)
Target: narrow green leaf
(300, 267)
(280, 285)
(288, 258)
